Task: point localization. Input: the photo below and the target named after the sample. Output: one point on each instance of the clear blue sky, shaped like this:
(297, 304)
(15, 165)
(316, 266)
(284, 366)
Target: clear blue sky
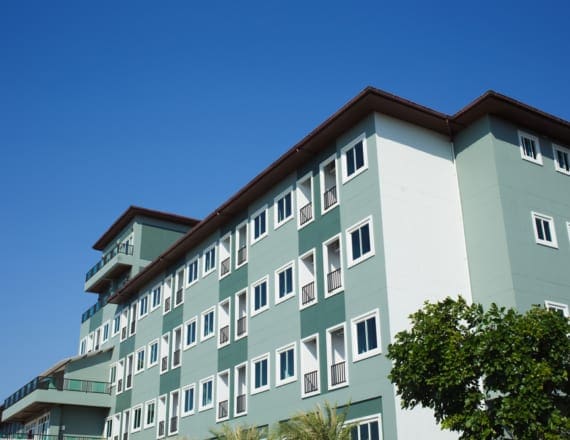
(176, 105)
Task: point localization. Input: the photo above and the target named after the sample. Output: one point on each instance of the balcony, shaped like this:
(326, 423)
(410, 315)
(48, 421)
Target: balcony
(338, 373)
(115, 262)
(225, 267)
(45, 391)
(308, 293)
(224, 334)
(329, 197)
(305, 214)
(241, 326)
(223, 410)
(242, 255)
(334, 280)
(240, 404)
(311, 382)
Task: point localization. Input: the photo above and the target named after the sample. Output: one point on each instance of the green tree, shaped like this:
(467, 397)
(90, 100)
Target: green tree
(239, 432)
(487, 374)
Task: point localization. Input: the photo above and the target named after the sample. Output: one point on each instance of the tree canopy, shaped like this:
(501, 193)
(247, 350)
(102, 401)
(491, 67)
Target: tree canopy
(487, 374)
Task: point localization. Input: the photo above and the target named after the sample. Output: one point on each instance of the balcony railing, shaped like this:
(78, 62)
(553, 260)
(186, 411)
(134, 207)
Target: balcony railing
(305, 213)
(164, 364)
(58, 384)
(173, 425)
(311, 382)
(338, 373)
(329, 197)
(167, 304)
(223, 409)
(123, 248)
(334, 280)
(179, 296)
(242, 254)
(176, 358)
(240, 404)
(124, 333)
(225, 266)
(224, 334)
(133, 327)
(242, 325)
(308, 293)
(161, 428)
(129, 381)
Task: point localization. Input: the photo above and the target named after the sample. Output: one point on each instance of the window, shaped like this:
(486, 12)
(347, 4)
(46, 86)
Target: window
(557, 307)
(153, 353)
(366, 336)
(176, 347)
(241, 244)
(137, 419)
(332, 260)
(113, 374)
(105, 332)
(209, 260)
(224, 323)
(143, 306)
(174, 412)
(304, 196)
(179, 290)
(116, 325)
(83, 346)
(223, 396)
(561, 159)
(140, 360)
(206, 393)
(329, 189)
(336, 357)
(192, 272)
(310, 366)
(133, 325)
(120, 375)
(155, 298)
(366, 429)
(530, 148)
(260, 374)
(161, 417)
(259, 225)
(126, 423)
(188, 400)
(129, 372)
(307, 279)
(359, 237)
(225, 251)
(240, 389)
(241, 314)
(259, 293)
(164, 352)
(284, 283)
(544, 231)
(124, 323)
(354, 158)
(150, 411)
(167, 295)
(208, 324)
(283, 208)
(190, 333)
(286, 371)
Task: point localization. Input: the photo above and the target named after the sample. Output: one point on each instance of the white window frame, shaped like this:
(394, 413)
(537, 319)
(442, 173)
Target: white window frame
(351, 261)
(252, 225)
(322, 166)
(126, 420)
(538, 158)
(344, 158)
(325, 265)
(133, 310)
(236, 376)
(183, 412)
(133, 410)
(170, 415)
(220, 244)
(206, 272)
(196, 261)
(177, 287)
(83, 346)
(312, 252)
(132, 362)
(221, 305)
(149, 349)
(289, 265)
(558, 148)
(153, 306)
(276, 223)
(238, 227)
(168, 280)
(204, 337)
(267, 386)
(201, 394)
(262, 309)
(552, 227)
(113, 331)
(147, 404)
(315, 337)
(354, 336)
(226, 372)
(173, 346)
(309, 177)
(367, 419)
(551, 305)
(141, 300)
(194, 320)
(136, 368)
(237, 317)
(328, 341)
(103, 338)
(278, 381)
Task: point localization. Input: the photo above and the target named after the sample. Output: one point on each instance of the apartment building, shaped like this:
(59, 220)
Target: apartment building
(289, 293)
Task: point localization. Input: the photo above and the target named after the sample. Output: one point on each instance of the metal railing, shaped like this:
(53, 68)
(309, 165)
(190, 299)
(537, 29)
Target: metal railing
(240, 404)
(123, 248)
(305, 213)
(179, 296)
(124, 333)
(164, 364)
(329, 197)
(133, 327)
(311, 381)
(308, 293)
(173, 425)
(338, 373)
(161, 428)
(242, 325)
(334, 280)
(223, 409)
(242, 254)
(129, 381)
(225, 266)
(176, 358)
(224, 334)
(167, 305)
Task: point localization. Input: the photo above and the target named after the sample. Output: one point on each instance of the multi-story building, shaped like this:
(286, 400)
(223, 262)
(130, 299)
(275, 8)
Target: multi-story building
(289, 293)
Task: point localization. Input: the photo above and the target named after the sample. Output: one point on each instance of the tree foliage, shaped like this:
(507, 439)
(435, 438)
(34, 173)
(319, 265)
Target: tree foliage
(324, 423)
(238, 432)
(488, 374)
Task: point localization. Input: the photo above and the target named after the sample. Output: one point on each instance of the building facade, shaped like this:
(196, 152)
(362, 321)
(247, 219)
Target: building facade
(289, 293)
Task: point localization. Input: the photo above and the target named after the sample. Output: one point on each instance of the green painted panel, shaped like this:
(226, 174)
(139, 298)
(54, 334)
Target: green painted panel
(234, 282)
(169, 381)
(172, 319)
(96, 320)
(127, 347)
(123, 401)
(155, 240)
(232, 355)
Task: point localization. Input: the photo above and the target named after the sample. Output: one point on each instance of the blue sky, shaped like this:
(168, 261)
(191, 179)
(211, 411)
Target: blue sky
(176, 105)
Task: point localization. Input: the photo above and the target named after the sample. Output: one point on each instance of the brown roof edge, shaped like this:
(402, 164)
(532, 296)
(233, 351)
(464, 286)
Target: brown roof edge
(130, 213)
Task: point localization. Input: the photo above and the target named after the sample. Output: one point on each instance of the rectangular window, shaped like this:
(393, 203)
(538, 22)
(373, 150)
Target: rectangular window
(140, 360)
(129, 372)
(176, 347)
(365, 429)
(561, 159)
(304, 196)
(241, 314)
(83, 346)
(337, 367)
(208, 318)
(260, 374)
(188, 400)
(153, 353)
(179, 288)
(332, 260)
(143, 306)
(150, 411)
(284, 283)
(283, 208)
(192, 272)
(206, 393)
(359, 237)
(133, 325)
(544, 230)
(354, 158)
(259, 294)
(329, 187)
(557, 307)
(174, 412)
(116, 325)
(530, 148)
(286, 371)
(164, 352)
(137, 419)
(155, 298)
(366, 335)
(209, 260)
(190, 333)
(105, 332)
(225, 252)
(259, 225)
(241, 245)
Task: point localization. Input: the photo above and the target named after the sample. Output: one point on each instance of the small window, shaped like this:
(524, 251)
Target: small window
(241, 245)
(208, 324)
(259, 225)
(105, 332)
(329, 188)
(206, 393)
(354, 159)
(116, 325)
(259, 294)
(192, 272)
(366, 429)
(143, 306)
(561, 159)
(360, 240)
(83, 346)
(544, 231)
(557, 307)
(260, 374)
(190, 331)
(284, 283)
(156, 298)
(366, 336)
(150, 411)
(530, 148)
(283, 208)
(152, 353)
(139, 366)
(137, 419)
(286, 370)
(210, 260)
(188, 400)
